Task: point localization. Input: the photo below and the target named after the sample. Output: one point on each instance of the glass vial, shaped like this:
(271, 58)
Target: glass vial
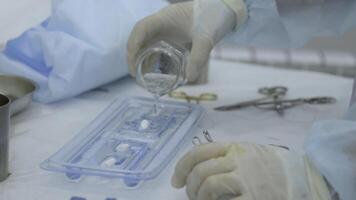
(161, 67)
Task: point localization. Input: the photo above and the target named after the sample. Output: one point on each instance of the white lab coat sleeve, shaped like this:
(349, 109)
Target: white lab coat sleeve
(291, 23)
(331, 145)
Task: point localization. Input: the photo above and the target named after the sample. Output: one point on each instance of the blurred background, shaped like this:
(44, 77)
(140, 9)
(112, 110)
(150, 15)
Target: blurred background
(346, 42)
(335, 55)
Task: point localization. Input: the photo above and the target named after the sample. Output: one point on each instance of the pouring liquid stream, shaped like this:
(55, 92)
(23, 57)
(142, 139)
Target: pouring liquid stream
(159, 85)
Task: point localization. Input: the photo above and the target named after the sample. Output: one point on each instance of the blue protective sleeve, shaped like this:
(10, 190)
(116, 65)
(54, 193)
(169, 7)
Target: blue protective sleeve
(26, 49)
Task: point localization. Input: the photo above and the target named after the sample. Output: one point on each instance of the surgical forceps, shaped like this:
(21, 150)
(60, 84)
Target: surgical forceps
(281, 105)
(201, 97)
(277, 103)
(196, 140)
(285, 104)
(273, 93)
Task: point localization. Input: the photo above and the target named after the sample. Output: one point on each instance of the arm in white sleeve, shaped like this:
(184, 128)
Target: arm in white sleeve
(331, 146)
(291, 23)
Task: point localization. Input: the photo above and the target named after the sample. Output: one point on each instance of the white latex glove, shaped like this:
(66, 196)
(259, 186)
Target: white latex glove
(211, 21)
(248, 172)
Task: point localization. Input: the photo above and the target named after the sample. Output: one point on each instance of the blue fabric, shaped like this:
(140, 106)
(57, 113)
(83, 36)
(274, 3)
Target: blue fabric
(81, 46)
(292, 23)
(29, 53)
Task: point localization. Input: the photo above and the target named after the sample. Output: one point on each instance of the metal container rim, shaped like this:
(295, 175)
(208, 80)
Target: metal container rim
(4, 101)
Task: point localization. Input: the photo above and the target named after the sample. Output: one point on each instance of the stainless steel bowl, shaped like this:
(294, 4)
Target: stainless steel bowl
(19, 90)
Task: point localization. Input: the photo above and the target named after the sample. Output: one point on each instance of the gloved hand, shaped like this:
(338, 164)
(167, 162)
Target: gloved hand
(211, 21)
(248, 171)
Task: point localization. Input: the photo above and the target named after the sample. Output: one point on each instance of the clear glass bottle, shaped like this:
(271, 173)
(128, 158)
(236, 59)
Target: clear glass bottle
(161, 67)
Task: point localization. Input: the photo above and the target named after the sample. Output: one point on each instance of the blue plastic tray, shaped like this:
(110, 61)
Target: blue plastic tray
(127, 141)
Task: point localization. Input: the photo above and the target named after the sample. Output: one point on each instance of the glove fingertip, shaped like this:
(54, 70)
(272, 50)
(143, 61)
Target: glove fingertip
(176, 183)
(192, 78)
(192, 72)
(131, 66)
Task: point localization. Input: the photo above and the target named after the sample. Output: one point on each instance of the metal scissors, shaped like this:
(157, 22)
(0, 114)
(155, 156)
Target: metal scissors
(271, 93)
(201, 97)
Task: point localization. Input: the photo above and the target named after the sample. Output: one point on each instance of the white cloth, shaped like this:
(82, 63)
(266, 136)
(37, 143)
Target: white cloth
(42, 129)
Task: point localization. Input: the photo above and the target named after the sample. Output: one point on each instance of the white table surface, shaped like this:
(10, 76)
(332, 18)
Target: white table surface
(43, 129)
